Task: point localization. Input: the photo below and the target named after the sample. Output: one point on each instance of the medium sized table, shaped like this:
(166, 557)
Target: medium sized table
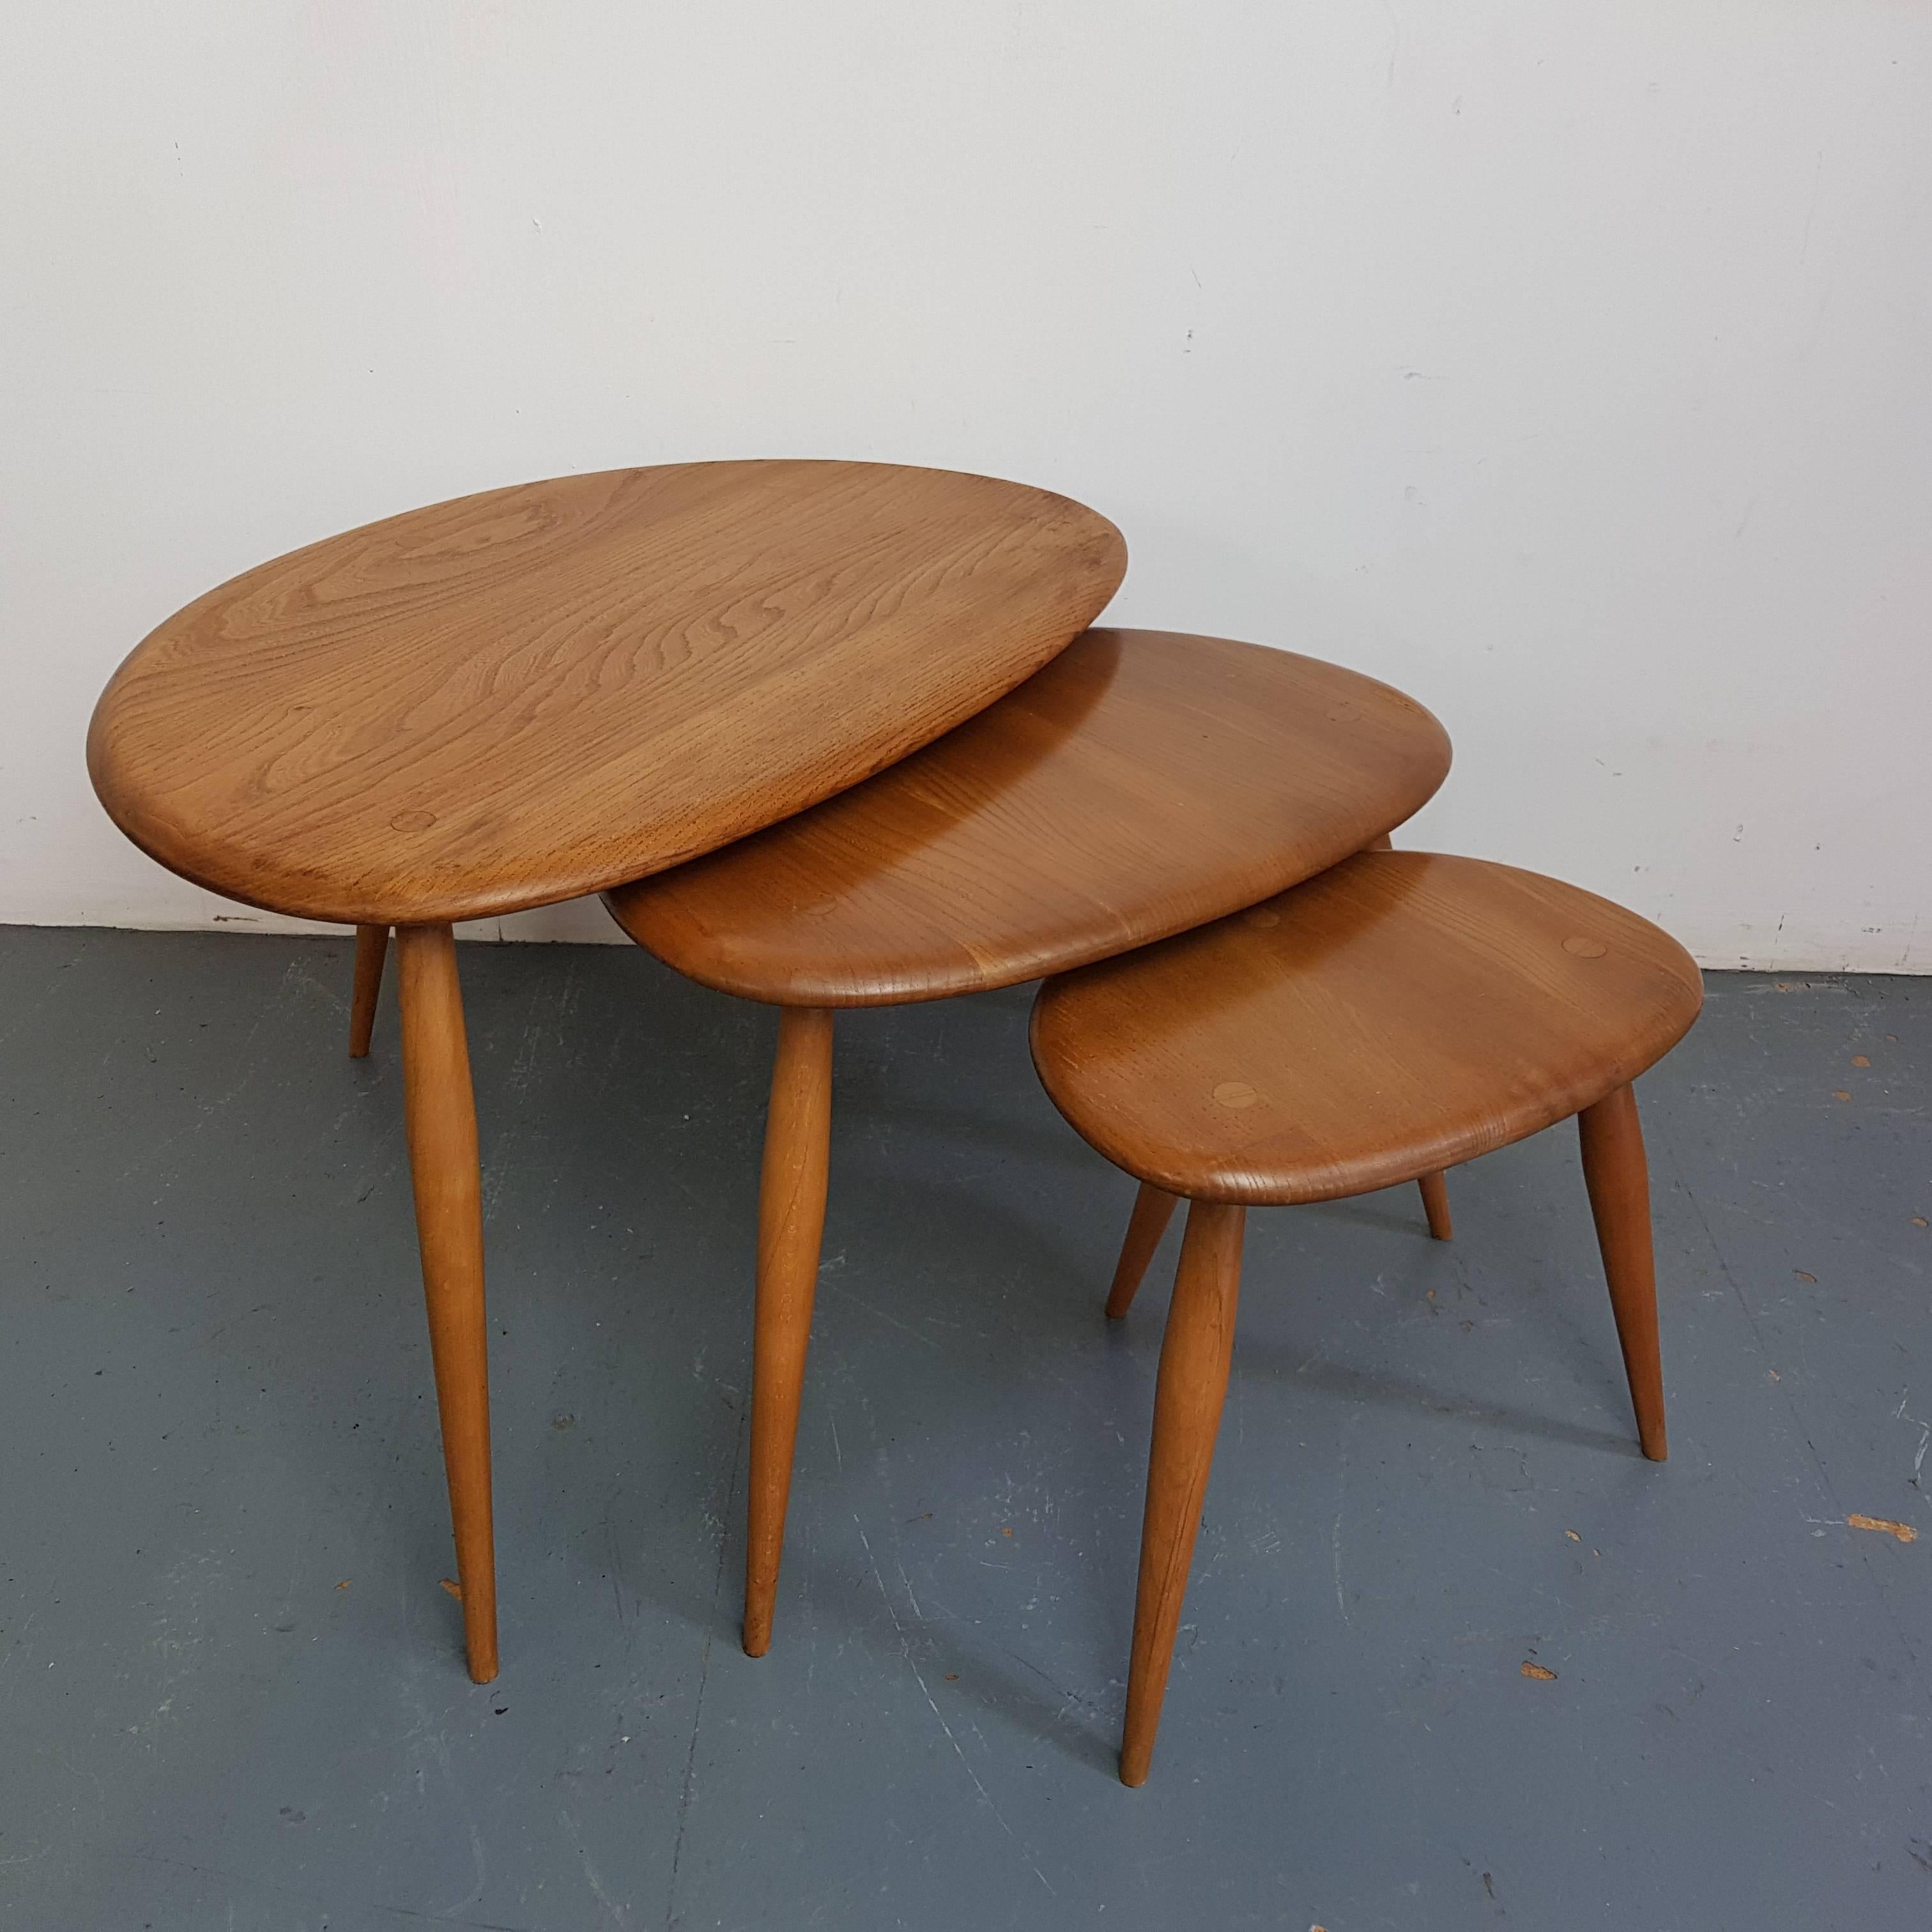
(1143, 783)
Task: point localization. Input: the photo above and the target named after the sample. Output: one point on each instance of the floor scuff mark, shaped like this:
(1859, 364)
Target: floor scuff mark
(1903, 1532)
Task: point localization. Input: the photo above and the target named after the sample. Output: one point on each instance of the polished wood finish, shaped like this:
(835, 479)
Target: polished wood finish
(1142, 783)
(1404, 1012)
(1434, 1186)
(1400, 1013)
(536, 692)
(372, 943)
(1617, 1177)
(1189, 1392)
(791, 1224)
(440, 1119)
(1153, 1208)
(540, 691)
(1435, 1204)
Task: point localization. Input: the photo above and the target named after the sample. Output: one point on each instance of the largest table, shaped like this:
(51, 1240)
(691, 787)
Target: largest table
(533, 693)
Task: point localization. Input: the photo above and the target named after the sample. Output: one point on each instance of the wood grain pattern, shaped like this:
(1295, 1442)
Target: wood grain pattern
(1142, 783)
(540, 691)
(1402, 1013)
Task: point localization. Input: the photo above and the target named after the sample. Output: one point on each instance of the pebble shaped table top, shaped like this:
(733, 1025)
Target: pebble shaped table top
(536, 692)
(1143, 782)
(541, 691)
(1401, 1013)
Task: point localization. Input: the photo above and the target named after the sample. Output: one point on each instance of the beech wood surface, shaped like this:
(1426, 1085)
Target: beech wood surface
(1153, 1208)
(1435, 1204)
(372, 946)
(536, 692)
(439, 1113)
(1404, 1012)
(791, 1223)
(1189, 1392)
(1197, 1351)
(1142, 783)
(1618, 1177)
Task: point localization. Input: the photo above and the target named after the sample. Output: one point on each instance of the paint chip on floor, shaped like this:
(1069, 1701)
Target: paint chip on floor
(1537, 1671)
(1903, 1532)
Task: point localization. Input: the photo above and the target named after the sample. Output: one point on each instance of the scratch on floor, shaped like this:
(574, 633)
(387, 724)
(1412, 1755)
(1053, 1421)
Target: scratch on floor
(480, 1868)
(698, 1712)
(1335, 1550)
(1341, 1506)
(1924, 1430)
(918, 1677)
(619, 1915)
(846, 1294)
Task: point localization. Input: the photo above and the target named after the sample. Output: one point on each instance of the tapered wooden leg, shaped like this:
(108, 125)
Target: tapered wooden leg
(440, 1112)
(1435, 1204)
(372, 942)
(1618, 1179)
(1154, 1207)
(1188, 1395)
(791, 1222)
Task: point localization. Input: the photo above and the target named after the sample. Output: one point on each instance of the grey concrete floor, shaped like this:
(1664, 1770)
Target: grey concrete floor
(231, 1694)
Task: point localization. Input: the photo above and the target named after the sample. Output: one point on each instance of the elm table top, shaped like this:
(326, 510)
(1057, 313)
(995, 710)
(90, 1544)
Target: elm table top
(1404, 1012)
(536, 692)
(1144, 782)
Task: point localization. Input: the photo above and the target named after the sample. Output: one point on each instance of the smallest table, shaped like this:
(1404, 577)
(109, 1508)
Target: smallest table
(1402, 1013)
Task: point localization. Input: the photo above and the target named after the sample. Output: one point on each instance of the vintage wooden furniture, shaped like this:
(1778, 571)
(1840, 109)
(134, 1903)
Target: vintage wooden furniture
(1142, 783)
(1402, 1013)
(536, 692)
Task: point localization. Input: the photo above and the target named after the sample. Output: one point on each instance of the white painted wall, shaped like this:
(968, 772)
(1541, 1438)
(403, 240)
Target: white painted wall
(1568, 365)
